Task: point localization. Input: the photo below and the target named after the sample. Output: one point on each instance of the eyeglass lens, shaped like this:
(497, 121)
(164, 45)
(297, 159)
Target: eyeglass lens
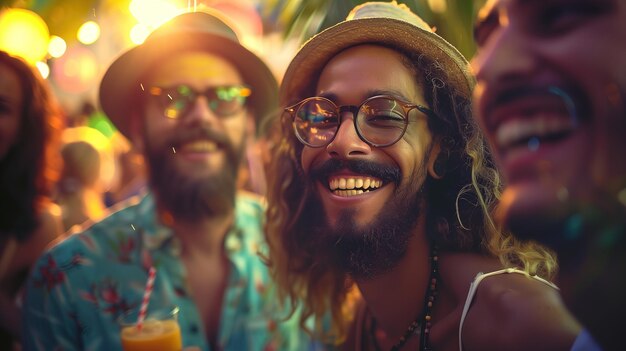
(380, 121)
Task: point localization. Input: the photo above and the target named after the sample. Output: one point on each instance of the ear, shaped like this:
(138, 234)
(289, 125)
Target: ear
(436, 166)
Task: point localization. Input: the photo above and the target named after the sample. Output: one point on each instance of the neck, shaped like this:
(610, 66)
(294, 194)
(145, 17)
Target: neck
(203, 237)
(395, 309)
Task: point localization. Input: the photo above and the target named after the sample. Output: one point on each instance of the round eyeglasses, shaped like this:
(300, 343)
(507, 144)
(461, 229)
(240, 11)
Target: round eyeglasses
(224, 101)
(379, 121)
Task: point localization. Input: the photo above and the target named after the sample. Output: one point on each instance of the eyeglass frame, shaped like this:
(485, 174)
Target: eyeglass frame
(407, 107)
(197, 94)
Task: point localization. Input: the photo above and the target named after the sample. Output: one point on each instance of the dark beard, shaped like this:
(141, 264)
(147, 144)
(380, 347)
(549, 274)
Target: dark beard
(364, 252)
(187, 198)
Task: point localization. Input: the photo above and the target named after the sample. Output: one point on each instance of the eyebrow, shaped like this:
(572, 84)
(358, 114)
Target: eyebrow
(368, 94)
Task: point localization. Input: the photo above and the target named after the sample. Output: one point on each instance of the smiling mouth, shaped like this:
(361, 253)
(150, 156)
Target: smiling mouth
(352, 186)
(531, 117)
(522, 132)
(199, 146)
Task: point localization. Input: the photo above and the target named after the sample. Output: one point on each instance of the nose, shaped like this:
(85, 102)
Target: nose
(200, 113)
(507, 55)
(347, 143)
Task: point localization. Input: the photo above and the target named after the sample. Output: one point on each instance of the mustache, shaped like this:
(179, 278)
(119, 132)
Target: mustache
(572, 99)
(384, 172)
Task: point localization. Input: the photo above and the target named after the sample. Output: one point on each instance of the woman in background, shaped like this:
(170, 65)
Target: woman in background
(30, 123)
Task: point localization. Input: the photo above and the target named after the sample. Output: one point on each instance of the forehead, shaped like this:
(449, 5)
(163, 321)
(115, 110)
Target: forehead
(195, 68)
(371, 69)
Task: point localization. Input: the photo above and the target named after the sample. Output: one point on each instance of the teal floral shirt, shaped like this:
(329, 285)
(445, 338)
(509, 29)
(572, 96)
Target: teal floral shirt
(79, 288)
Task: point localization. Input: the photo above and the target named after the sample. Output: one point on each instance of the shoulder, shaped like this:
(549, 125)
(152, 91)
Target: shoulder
(92, 235)
(517, 312)
(458, 270)
(49, 229)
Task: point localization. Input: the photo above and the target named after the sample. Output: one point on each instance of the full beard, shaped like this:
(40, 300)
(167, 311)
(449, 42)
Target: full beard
(366, 251)
(190, 198)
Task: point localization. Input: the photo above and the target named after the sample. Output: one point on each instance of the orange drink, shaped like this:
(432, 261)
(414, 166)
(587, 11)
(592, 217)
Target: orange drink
(154, 336)
(159, 332)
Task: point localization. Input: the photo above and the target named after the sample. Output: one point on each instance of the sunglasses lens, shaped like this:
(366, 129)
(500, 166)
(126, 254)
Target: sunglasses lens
(174, 100)
(316, 122)
(228, 100)
(223, 101)
(381, 121)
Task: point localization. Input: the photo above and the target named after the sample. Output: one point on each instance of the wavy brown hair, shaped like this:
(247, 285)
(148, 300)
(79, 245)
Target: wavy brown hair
(458, 214)
(31, 166)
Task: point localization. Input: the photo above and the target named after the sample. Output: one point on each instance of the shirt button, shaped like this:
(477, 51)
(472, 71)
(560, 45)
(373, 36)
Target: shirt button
(193, 329)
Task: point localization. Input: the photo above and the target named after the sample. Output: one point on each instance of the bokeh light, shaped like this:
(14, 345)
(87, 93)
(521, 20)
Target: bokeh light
(139, 33)
(43, 69)
(57, 46)
(153, 13)
(88, 33)
(438, 6)
(23, 33)
(76, 71)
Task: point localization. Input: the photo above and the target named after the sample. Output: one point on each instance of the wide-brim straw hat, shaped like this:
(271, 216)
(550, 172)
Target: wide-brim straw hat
(193, 31)
(386, 23)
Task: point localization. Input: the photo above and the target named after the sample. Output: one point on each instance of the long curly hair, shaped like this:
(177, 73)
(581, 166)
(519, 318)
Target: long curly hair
(458, 214)
(31, 166)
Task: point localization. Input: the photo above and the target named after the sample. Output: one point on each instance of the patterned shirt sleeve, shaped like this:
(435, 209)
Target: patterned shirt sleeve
(47, 318)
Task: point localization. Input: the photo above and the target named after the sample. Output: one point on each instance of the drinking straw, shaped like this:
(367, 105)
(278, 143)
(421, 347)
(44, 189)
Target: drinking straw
(146, 297)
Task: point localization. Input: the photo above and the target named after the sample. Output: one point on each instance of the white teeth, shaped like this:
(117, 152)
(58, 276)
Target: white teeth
(366, 183)
(516, 131)
(342, 183)
(350, 183)
(348, 193)
(199, 146)
(358, 185)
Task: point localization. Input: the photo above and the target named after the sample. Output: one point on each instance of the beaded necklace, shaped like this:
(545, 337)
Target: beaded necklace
(422, 324)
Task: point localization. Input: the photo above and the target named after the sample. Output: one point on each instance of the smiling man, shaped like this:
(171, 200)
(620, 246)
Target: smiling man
(380, 197)
(550, 99)
(185, 97)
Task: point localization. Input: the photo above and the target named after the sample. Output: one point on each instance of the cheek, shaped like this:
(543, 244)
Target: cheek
(9, 130)
(418, 141)
(412, 154)
(10, 125)
(308, 155)
(236, 128)
(156, 129)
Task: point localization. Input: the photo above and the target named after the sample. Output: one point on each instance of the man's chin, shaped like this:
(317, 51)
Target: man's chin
(345, 225)
(538, 214)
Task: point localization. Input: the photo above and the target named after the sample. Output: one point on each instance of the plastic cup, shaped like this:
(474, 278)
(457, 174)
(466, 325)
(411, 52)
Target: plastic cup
(159, 331)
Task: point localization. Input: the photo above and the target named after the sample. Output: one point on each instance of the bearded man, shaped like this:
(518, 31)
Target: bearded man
(380, 199)
(550, 98)
(185, 97)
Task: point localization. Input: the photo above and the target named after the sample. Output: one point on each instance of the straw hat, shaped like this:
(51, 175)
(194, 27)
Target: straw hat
(387, 23)
(193, 31)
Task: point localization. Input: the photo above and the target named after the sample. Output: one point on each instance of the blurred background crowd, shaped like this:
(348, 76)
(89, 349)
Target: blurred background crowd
(72, 42)
(84, 163)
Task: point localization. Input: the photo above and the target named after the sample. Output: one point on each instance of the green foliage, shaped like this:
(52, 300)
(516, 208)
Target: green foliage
(304, 18)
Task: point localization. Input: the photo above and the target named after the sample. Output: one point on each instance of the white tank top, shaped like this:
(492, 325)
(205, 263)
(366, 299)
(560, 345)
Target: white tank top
(474, 286)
